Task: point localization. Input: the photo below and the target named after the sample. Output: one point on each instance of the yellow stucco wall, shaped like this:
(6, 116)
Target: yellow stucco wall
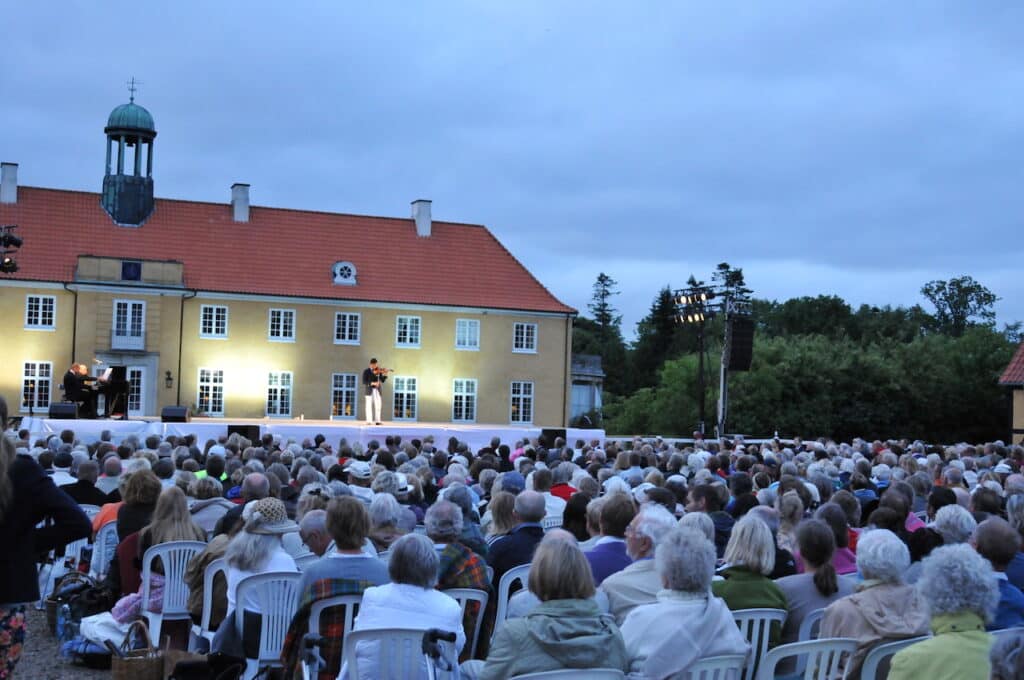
(247, 355)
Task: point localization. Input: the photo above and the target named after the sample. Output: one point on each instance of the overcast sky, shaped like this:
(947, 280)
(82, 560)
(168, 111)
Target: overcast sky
(849, 148)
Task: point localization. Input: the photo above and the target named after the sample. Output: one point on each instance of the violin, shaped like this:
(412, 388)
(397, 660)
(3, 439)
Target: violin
(380, 369)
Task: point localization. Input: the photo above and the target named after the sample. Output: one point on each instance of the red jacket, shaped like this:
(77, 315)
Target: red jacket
(563, 491)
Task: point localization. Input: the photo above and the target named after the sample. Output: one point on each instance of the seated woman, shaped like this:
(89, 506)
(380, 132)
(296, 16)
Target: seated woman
(687, 622)
(750, 558)
(499, 519)
(140, 494)
(345, 570)
(210, 503)
(882, 608)
(961, 591)
(819, 585)
(566, 630)
(385, 516)
(409, 601)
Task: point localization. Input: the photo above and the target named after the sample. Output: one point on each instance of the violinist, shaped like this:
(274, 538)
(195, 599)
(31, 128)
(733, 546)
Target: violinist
(373, 380)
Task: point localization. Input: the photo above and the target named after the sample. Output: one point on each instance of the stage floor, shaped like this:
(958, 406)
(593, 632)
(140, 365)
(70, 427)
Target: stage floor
(476, 435)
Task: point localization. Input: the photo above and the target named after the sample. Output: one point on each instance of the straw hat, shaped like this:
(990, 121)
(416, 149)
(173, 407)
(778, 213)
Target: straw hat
(268, 517)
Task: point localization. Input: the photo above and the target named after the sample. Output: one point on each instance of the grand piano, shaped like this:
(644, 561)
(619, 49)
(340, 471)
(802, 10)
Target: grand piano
(113, 385)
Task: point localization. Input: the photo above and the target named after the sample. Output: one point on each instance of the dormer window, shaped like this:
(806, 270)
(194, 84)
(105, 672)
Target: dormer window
(344, 273)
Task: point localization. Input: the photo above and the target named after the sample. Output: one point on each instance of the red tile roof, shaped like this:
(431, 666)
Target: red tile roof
(1014, 373)
(279, 252)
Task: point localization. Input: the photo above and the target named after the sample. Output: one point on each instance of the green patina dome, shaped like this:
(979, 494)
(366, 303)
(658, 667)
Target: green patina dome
(131, 116)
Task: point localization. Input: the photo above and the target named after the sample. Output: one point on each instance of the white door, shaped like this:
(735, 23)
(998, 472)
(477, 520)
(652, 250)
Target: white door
(136, 390)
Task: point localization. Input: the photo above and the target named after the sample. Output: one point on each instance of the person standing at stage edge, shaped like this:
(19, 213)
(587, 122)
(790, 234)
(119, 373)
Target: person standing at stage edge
(373, 379)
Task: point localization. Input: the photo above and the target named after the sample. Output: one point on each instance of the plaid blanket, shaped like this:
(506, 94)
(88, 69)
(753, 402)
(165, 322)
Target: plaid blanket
(460, 567)
(332, 626)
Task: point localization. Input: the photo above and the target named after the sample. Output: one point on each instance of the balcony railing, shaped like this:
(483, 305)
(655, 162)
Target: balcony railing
(129, 342)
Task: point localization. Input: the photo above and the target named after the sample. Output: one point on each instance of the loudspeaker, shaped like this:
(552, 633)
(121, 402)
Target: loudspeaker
(250, 432)
(741, 345)
(548, 436)
(175, 414)
(63, 410)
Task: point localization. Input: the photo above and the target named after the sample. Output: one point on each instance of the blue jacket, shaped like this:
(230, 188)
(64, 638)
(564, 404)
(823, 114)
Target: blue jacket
(513, 550)
(1010, 612)
(606, 559)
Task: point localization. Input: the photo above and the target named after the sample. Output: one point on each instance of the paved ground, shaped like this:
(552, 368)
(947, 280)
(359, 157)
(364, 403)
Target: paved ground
(41, 659)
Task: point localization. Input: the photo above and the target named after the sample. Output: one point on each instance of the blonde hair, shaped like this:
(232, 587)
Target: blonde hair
(171, 519)
(501, 506)
(560, 571)
(752, 546)
(791, 509)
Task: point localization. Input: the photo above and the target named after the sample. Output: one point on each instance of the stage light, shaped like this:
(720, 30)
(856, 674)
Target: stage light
(8, 266)
(9, 240)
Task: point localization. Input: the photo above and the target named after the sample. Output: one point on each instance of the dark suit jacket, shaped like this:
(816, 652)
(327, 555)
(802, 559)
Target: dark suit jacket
(85, 493)
(606, 559)
(513, 550)
(35, 499)
(369, 377)
(74, 386)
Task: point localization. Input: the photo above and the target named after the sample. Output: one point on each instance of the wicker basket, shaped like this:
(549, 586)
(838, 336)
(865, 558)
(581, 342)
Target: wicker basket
(146, 663)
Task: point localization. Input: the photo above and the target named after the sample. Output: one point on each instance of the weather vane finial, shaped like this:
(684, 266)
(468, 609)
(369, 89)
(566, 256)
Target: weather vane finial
(133, 88)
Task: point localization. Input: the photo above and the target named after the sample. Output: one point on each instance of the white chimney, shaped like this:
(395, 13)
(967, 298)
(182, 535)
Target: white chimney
(421, 213)
(9, 183)
(240, 202)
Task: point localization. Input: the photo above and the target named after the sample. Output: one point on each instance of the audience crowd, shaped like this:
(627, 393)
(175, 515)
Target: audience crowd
(639, 551)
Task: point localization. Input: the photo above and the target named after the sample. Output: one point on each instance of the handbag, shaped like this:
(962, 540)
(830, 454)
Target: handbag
(144, 663)
(215, 666)
(89, 601)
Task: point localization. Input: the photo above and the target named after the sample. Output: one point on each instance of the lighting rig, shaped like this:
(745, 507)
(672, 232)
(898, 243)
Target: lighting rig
(9, 244)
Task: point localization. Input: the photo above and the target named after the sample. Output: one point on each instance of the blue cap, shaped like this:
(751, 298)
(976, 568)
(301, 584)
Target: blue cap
(512, 482)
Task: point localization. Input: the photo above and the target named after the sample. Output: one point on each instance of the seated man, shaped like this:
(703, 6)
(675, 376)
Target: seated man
(609, 552)
(76, 388)
(638, 583)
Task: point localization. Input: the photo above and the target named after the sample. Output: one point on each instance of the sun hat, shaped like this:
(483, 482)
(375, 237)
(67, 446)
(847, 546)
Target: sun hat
(268, 517)
(359, 469)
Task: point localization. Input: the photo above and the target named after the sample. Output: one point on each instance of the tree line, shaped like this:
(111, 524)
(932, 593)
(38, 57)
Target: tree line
(820, 366)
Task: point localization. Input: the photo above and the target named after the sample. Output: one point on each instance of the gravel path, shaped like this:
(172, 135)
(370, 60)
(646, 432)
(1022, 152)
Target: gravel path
(41, 658)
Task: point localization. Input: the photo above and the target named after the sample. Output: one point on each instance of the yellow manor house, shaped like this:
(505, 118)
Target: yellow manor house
(250, 312)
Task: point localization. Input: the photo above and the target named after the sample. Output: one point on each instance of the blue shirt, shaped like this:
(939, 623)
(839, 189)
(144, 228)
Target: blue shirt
(1010, 612)
(1015, 571)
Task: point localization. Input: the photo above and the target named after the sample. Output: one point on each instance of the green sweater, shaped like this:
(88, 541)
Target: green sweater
(743, 589)
(959, 651)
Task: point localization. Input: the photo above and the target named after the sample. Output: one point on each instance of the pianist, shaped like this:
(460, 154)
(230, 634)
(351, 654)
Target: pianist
(78, 387)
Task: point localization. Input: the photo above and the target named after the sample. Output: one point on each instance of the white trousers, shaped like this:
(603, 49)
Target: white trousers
(373, 407)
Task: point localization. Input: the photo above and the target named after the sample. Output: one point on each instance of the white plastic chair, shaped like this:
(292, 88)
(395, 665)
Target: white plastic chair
(74, 550)
(399, 654)
(202, 630)
(756, 624)
(551, 522)
(822, 658)
(277, 595)
(1007, 632)
(574, 674)
(420, 529)
(876, 663)
(464, 596)
(351, 604)
(303, 561)
(724, 667)
(90, 510)
(510, 577)
(174, 556)
(103, 549)
(810, 626)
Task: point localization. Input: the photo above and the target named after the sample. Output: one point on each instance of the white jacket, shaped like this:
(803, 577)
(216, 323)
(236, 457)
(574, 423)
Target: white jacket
(665, 638)
(398, 605)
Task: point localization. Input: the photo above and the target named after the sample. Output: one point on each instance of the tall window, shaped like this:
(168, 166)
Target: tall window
(524, 337)
(346, 328)
(40, 312)
(129, 325)
(464, 400)
(136, 375)
(213, 321)
(36, 381)
(343, 395)
(522, 401)
(407, 331)
(405, 398)
(210, 398)
(279, 393)
(467, 334)
(282, 325)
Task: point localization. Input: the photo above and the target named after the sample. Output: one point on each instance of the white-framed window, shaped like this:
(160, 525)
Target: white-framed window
(213, 321)
(282, 325)
(40, 312)
(521, 402)
(36, 382)
(279, 393)
(407, 331)
(136, 389)
(210, 395)
(467, 334)
(405, 398)
(524, 337)
(346, 328)
(464, 400)
(129, 330)
(343, 395)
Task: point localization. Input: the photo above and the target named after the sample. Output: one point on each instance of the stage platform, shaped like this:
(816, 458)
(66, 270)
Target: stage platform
(475, 435)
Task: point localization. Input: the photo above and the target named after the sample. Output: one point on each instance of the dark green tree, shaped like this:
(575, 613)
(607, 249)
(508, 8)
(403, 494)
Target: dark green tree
(608, 333)
(655, 338)
(731, 279)
(960, 303)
